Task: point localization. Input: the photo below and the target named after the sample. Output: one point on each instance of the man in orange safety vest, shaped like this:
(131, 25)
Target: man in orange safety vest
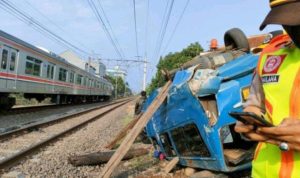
(275, 93)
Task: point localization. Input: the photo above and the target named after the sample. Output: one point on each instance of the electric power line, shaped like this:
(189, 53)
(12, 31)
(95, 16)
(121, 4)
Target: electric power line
(176, 26)
(102, 23)
(111, 29)
(28, 23)
(160, 30)
(164, 28)
(52, 22)
(31, 21)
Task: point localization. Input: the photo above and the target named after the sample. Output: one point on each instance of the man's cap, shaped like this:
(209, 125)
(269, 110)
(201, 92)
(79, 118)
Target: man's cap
(283, 12)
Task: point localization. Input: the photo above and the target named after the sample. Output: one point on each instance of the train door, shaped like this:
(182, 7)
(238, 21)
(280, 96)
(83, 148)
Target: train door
(8, 68)
(51, 76)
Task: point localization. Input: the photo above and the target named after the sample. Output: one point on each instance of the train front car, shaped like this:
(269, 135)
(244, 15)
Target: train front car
(40, 74)
(193, 123)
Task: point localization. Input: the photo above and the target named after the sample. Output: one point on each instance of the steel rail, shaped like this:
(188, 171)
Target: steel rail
(13, 159)
(25, 109)
(16, 132)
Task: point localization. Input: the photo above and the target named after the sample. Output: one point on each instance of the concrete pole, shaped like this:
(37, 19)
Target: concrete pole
(145, 74)
(116, 78)
(125, 89)
(116, 91)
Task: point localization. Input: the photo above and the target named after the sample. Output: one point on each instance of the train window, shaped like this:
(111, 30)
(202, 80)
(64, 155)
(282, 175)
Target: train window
(33, 66)
(13, 56)
(79, 79)
(62, 76)
(71, 77)
(4, 59)
(50, 71)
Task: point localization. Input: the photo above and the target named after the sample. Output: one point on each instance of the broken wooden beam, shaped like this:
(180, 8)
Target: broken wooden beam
(103, 157)
(235, 156)
(122, 133)
(129, 139)
(171, 165)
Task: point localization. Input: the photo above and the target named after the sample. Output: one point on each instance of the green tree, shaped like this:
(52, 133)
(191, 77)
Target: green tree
(119, 84)
(172, 61)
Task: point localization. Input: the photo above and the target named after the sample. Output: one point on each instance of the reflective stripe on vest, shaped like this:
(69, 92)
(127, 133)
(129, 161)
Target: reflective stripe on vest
(280, 74)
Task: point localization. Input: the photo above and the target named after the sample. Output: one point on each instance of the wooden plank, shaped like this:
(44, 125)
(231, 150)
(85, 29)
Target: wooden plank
(235, 156)
(171, 165)
(102, 157)
(123, 133)
(129, 139)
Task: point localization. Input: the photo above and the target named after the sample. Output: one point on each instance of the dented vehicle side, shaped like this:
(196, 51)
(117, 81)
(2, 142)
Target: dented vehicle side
(193, 122)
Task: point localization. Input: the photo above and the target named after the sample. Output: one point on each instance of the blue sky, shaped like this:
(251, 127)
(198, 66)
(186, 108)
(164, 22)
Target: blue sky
(202, 21)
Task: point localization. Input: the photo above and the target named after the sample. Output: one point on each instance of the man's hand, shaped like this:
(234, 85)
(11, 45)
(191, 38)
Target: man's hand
(248, 130)
(288, 131)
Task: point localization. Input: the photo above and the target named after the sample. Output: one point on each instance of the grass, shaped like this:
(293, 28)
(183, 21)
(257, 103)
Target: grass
(127, 119)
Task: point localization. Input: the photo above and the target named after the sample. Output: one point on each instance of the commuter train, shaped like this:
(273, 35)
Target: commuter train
(39, 74)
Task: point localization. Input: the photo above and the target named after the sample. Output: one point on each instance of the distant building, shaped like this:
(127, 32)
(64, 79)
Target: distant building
(99, 66)
(116, 72)
(72, 58)
(92, 66)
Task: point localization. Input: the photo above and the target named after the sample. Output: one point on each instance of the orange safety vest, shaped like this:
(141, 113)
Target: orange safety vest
(279, 70)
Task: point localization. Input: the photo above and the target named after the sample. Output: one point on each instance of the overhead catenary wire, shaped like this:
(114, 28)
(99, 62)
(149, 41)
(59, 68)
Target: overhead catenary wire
(33, 22)
(103, 25)
(176, 26)
(111, 29)
(37, 29)
(160, 30)
(12, 9)
(53, 23)
(164, 28)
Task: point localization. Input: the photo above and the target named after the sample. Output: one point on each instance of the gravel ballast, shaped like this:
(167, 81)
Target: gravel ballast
(15, 121)
(52, 161)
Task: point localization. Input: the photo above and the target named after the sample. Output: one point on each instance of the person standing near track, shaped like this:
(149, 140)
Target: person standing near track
(275, 93)
(140, 102)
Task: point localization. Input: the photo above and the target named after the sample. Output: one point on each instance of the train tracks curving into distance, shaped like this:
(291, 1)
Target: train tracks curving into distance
(17, 144)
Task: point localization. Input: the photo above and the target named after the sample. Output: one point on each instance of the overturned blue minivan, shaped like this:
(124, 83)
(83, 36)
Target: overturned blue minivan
(193, 122)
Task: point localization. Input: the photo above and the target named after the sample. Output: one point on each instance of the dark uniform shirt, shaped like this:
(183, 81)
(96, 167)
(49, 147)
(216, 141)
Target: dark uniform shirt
(139, 105)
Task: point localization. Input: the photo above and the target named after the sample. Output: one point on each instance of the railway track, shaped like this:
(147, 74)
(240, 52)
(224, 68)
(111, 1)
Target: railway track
(27, 109)
(34, 123)
(18, 144)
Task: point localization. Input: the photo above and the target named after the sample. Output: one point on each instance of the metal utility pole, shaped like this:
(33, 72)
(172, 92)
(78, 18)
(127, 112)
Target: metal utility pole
(116, 91)
(145, 74)
(116, 78)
